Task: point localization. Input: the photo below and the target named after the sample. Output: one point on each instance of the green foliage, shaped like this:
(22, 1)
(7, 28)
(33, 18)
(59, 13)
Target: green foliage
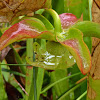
(55, 49)
(2, 91)
(34, 28)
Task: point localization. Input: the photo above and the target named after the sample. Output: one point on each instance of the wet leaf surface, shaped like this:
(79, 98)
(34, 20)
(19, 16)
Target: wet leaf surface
(55, 57)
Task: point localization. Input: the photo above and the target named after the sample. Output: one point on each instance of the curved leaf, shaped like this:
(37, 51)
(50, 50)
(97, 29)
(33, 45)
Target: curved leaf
(89, 29)
(57, 21)
(67, 20)
(73, 41)
(25, 29)
(47, 24)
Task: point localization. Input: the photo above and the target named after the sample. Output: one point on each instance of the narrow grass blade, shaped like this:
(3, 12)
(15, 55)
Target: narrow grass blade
(60, 80)
(80, 97)
(62, 86)
(29, 70)
(34, 82)
(19, 61)
(68, 92)
(13, 72)
(40, 74)
(2, 91)
(40, 77)
(90, 9)
(16, 64)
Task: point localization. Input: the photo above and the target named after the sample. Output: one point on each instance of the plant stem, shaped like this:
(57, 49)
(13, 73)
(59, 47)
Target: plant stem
(57, 22)
(17, 64)
(29, 71)
(90, 7)
(80, 97)
(40, 74)
(2, 91)
(35, 89)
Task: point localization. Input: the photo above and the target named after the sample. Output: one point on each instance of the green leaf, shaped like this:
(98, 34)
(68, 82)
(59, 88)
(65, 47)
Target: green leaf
(58, 81)
(40, 73)
(25, 29)
(13, 72)
(40, 76)
(19, 60)
(66, 59)
(80, 97)
(67, 20)
(29, 84)
(57, 22)
(54, 57)
(89, 29)
(35, 28)
(58, 6)
(73, 6)
(47, 24)
(62, 86)
(73, 41)
(2, 91)
(70, 90)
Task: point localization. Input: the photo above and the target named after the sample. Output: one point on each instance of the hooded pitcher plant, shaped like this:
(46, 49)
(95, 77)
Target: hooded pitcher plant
(65, 45)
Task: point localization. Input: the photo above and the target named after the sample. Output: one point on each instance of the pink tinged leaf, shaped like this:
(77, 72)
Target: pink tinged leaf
(67, 19)
(74, 43)
(23, 30)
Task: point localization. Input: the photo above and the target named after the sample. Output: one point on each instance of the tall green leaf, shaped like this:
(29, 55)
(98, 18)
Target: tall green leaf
(2, 91)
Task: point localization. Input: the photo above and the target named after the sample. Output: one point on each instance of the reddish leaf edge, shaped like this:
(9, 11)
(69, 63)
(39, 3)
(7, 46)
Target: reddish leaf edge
(84, 63)
(68, 20)
(27, 28)
(35, 34)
